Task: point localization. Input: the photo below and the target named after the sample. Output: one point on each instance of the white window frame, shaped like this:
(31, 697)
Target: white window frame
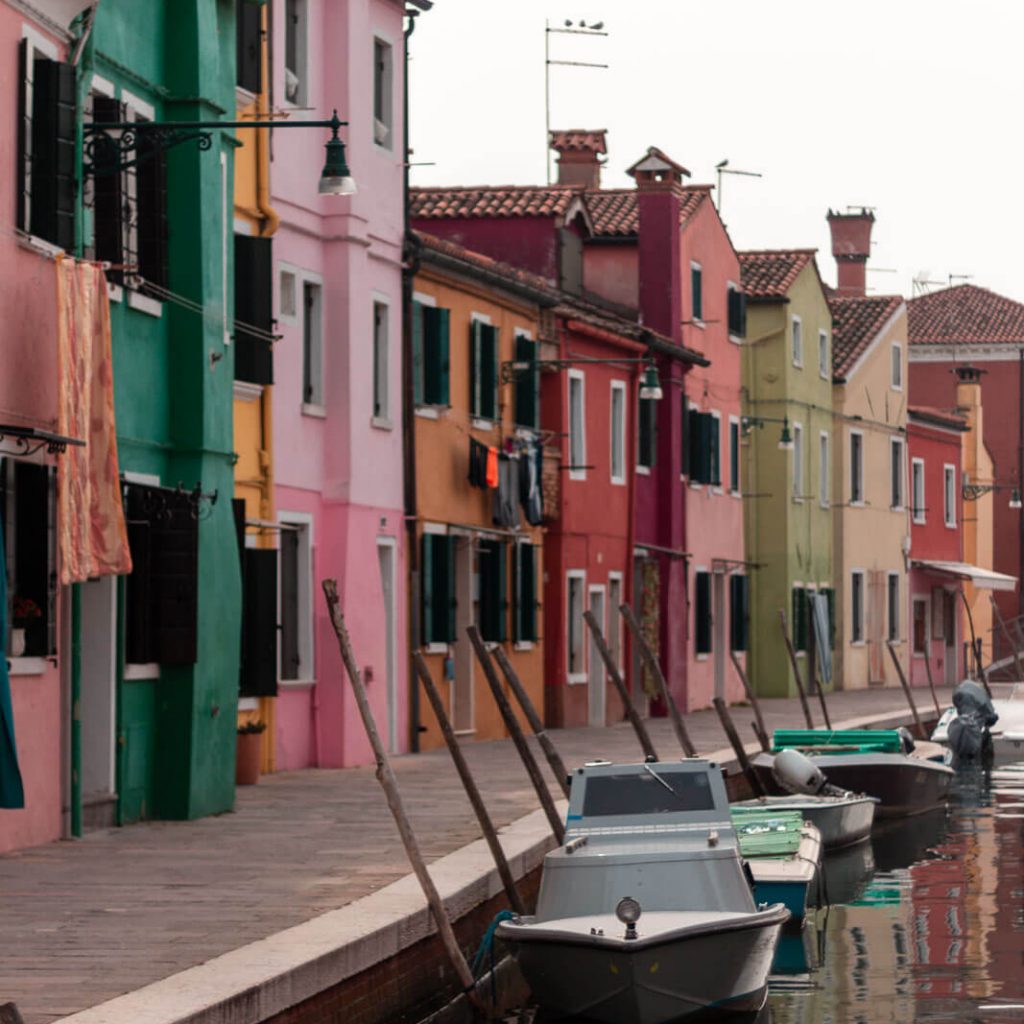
(914, 602)
(384, 132)
(892, 608)
(309, 278)
(301, 56)
(577, 470)
(824, 469)
(618, 387)
(730, 286)
(857, 502)
(381, 421)
(896, 366)
(303, 523)
(718, 488)
(857, 626)
(949, 494)
(824, 362)
(283, 316)
(798, 461)
(796, 342)
(734, 458)
(897, 444)
(481, 422)
(571, 576)
(615, 633)
(917, 510)
(37, 43)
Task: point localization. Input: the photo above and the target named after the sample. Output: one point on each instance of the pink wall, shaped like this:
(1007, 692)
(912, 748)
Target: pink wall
(334, 463)
(613, 271)
(28, 396)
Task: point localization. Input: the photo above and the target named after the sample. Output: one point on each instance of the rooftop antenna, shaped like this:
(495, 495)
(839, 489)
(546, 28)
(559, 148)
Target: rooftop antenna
(568, 29)
(959, 277)
(722, 167)
(923, 282)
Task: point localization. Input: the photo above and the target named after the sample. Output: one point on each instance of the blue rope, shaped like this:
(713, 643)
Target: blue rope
(485, 951)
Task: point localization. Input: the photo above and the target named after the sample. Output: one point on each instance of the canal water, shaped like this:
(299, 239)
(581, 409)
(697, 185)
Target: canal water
(924, 923)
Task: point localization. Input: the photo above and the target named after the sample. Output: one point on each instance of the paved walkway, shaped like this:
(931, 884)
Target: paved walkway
(82, 922)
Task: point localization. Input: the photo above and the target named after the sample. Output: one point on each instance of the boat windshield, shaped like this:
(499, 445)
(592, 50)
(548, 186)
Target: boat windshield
(655, 792)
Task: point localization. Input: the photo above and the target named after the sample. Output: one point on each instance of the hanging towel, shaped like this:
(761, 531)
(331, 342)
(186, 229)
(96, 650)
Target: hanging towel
(529, 485)
(506, 506)
(477, 464)
(492, 467)
(12, 793)
(90, 517)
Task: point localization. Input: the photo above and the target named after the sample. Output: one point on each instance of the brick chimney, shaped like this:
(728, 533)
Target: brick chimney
(579, 156)
(851, 247)
(659, 188)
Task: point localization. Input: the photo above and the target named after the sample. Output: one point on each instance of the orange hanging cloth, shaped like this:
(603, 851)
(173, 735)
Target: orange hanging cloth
(492, 467)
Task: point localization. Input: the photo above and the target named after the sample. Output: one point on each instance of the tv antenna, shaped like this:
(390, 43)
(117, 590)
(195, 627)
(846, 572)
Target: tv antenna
(722, 167)
(569, 28)
(923, 283)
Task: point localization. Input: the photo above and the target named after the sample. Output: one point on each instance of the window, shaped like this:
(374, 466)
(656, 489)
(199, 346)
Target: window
(249, 64)
(917, 490)
(739, 612)
(526, 592)
(920, 634)
(702, 612)
(893, 603)
(618, 440)
(856, 467)
(260, 661)
(381, 398)
(491, 563)
(437, 574)
(697, 291)
(28, 516)
(615, 618)
(830, 600)
(577, 428)
(823, 359)
(703, 445)
(296, 33)
(895, 473)
(527, 383)
(857, 606)
(574, 624)
(798, 460)
(312, 345)
(949, 495)
(737, 303)
(254, 323)
(734, 455)
(382, 87)
(798, 342)
(46, 147)
(286, 294)
(647, 429)
(896, 355)
(483, 370)
(296, 599)
(801, 618)
(824, 471)
(430, 354)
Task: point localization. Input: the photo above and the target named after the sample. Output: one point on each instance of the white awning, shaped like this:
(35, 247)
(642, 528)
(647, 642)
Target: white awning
(986, 579)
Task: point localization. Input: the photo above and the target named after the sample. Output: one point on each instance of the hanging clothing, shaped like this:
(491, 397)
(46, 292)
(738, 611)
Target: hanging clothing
(12, 793)
(530, 495)
(506, 507)
(477, 464)
(492, 467)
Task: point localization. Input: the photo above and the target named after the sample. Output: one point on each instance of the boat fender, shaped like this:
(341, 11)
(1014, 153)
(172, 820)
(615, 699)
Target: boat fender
(797, 773)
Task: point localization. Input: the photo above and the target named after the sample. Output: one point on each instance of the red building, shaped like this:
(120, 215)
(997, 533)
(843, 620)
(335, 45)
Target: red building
(934, 439)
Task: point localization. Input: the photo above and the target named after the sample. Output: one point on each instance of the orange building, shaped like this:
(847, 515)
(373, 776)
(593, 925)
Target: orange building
(479, 547)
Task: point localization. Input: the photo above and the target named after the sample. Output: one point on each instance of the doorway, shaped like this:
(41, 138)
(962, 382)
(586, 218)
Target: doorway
(595, 665)
(97, 704)
(462, 709)
(386, 560)
(718, 627)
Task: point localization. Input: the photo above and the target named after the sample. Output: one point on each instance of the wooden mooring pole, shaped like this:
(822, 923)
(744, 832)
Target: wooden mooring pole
(931, 685)
(616, 676)
(741, 754)
(469, 783)
(814, 683)
(796, 670)
(386, 777)
(906, 689)
(516, 732)
(758, 724)
(515, 684)
(647, 656)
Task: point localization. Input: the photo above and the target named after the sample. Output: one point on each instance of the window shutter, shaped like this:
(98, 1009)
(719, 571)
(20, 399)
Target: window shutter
(175, 581)
(289, 621)
(830, 597)
(526, 388)
(696, 286)
(107, 204)
(137, 633)
(686, 464)
(526, 592)
(417, 353)
(448, 547)
(427, 587)
(53, 152)
(647, 414)
(254, 355)
(24, 134)
(259, 624)
(475, 360)
(737, 313)
(444, 356)
(248, 45)
(702, 613)
(489, 403)
(491, 556)
(151, 190)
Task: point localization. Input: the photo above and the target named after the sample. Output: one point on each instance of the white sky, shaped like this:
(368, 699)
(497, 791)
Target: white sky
(910, 106)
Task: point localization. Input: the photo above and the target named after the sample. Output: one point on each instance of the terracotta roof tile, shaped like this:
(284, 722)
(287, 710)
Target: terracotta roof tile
(965, 314)
(615, 213)
(943, 417)
(856, 321)
(770, 273)
(492, 201)
(579, 140)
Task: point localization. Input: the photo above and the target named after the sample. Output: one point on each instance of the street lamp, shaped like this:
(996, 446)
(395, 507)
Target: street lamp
(972, 492)
(651, 386)
(785, 437)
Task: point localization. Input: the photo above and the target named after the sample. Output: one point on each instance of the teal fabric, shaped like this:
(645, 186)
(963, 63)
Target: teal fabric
(11, 792)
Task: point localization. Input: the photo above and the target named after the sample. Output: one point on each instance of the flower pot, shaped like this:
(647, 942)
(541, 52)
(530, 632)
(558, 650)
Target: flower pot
(247, 758)
(17, 645)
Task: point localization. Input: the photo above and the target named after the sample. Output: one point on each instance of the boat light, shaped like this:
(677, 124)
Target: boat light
(627, 910)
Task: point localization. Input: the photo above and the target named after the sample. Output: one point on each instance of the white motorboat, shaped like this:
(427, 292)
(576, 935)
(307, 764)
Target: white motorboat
(645, 914)
(1006, 733)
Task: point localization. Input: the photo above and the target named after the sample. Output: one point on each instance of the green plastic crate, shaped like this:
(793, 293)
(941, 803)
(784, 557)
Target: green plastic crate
(764, 832)
(874, 741)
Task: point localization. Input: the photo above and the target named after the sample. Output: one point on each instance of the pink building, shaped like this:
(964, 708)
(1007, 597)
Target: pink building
(337, 403)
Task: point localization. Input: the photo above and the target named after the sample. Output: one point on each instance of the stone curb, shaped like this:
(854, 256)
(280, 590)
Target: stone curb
(253, 983)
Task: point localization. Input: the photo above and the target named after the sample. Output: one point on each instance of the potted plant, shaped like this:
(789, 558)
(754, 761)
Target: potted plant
(24, 611)
(248, 751)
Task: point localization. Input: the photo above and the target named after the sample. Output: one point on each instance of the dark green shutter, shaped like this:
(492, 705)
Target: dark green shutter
(737, 313)
(448, 547)
(151, 210)
(526, 383)
(702, 613)
(259, 623)
(489, 372)
(427, 586)
(493, 577)
(443, 345)
(248, 50)
(697, 293)
(53, 127)
(526, 592)
(739, 611)
(686, 464)
(647, 416)
(800, 619)
(701, 465)
(476, 331)
(418, 394)
(714, 428)
(830, 597)
(108, 240)
(254, 354)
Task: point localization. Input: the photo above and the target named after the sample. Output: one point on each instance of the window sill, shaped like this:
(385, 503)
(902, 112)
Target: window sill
(428, 412)
(318, 412)
(735, 494)
(643, 470)
(27, 666)
(858, 643)
(618, 481)
(523, 645)
(577, 475)
(576, 678)
(144, 304)
(381, 423)
(735, 339)
(825, 505)
(702, 657)
(717, 490)
(477, 423)
(858, 504)
(140, 671)
(918, 522)
(921, 655)
(435, 648)
(296, 684)
(950, 526)
(248, 703)
(697, 322)
(798, 366)
(39, 246)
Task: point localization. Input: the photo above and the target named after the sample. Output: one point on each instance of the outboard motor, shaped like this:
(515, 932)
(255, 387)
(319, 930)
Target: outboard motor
(969, 737)
(797, 773)
(906, 739)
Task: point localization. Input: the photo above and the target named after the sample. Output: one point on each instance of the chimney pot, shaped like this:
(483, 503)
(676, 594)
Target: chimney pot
(579, 155)
(851, 247)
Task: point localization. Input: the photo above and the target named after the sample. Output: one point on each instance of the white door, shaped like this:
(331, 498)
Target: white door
(97, 702)
(386, 558)
(595, 665)
(719, 639)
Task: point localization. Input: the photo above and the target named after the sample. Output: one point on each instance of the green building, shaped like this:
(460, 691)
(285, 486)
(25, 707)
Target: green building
(157, 655)
(787, 397)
